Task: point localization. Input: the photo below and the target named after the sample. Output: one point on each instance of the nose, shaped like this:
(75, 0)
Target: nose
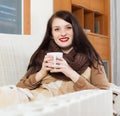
(63, 32)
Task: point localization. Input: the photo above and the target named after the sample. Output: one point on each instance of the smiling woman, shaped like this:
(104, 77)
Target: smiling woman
(80, 68)
(11, 16)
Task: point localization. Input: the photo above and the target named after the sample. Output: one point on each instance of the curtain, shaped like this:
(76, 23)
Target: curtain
(115, 40)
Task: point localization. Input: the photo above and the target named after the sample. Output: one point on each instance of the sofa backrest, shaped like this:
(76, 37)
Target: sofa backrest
(15, 53)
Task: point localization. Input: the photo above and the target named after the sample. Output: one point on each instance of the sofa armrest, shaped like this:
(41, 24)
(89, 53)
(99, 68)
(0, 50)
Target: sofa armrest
(81, 103)
(15, 53)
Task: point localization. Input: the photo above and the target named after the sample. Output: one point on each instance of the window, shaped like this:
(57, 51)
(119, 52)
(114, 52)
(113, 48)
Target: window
(15, 16)
(11, 16)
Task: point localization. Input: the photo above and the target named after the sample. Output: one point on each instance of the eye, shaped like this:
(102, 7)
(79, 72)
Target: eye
(69, 27)
(56, 29)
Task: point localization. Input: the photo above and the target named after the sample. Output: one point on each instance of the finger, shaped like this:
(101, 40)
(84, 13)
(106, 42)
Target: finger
(60, 63)
(47, 59)
(58, 68)
(54, 70)
(60, 59)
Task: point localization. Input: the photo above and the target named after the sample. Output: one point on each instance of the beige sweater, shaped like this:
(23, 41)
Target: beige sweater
(90, 79)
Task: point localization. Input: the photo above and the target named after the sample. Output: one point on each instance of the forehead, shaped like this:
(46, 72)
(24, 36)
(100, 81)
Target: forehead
(59, 22)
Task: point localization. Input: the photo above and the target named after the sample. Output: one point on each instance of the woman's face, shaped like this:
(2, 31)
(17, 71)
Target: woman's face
(62, 33)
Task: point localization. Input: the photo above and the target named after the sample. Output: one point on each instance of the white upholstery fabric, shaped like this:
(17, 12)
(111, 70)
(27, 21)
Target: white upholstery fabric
(15, 53)
(82, 103)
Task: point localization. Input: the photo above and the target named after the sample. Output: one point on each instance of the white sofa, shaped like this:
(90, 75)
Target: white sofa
(15, 52)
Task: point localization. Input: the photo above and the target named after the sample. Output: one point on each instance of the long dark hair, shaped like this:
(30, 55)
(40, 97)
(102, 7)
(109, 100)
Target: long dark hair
(80, 41)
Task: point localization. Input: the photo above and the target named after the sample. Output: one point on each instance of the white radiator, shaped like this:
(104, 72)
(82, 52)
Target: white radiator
(82, 103)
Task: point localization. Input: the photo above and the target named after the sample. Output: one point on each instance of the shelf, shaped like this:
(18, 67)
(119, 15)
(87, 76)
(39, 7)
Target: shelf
(88, 19)
(82, 3)
(97, 5)
(93, 15)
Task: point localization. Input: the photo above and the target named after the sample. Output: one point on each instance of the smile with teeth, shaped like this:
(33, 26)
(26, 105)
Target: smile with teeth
(65, 39)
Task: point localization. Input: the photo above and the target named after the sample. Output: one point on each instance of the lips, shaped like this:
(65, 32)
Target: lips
(65, 39)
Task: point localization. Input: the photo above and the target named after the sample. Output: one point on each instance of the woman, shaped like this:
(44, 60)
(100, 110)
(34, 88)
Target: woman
(80, 68)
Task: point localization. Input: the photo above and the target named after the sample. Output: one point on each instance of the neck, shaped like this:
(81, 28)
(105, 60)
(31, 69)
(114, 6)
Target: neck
(67, 50)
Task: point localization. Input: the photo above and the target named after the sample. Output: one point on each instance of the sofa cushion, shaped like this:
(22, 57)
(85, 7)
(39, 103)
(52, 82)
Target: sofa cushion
(15, 53)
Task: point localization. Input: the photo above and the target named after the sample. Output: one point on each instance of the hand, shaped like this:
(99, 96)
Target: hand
(47, 64)
(63, 66)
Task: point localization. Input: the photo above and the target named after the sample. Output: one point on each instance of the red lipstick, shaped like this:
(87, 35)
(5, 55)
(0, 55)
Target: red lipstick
(65, 39)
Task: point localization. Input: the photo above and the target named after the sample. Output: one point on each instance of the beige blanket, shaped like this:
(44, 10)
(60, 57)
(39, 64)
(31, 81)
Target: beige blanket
(11, 95)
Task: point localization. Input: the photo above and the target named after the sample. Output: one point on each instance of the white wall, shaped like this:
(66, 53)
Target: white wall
(41, 10)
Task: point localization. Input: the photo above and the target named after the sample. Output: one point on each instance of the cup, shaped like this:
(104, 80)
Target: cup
(55, 56)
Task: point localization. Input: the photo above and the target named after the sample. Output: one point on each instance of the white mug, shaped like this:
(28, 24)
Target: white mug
(55, 55)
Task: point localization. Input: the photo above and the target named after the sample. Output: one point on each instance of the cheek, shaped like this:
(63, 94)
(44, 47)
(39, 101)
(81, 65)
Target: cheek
(71, 34)
(55, 36)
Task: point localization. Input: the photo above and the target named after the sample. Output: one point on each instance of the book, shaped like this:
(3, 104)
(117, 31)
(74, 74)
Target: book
(97, 27)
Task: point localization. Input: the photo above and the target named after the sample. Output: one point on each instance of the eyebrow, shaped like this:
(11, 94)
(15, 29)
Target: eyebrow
(65, 25)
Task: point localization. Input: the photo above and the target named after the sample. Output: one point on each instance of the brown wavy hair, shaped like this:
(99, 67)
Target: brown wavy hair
(80, 43)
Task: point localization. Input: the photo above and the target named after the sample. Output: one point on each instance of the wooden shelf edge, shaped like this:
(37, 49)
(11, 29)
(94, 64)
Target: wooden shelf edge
(27, 19)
